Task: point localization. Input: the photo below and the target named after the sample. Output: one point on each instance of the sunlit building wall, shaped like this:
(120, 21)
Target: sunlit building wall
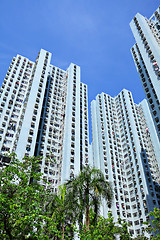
(123, 143)
(44, 111)
(146, 55)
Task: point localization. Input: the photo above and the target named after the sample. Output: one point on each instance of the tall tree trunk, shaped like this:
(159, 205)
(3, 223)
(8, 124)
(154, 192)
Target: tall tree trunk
(7, 229)
(63, 231)
(87, 217)
(95, 212)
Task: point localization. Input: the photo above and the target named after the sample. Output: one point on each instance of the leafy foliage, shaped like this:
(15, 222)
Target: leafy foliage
(61, 212)
(22, 200)
(30, 211)
(140, 237)
(154, 228)
(105, 229)
(123, 230)
(87, 190)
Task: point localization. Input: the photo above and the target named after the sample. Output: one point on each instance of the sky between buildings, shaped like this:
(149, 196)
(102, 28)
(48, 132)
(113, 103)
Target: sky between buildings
(93, 34)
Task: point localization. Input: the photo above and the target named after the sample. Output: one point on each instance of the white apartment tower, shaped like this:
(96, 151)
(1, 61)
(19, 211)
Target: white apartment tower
(44, 111)
(126, 149)
(146, 55)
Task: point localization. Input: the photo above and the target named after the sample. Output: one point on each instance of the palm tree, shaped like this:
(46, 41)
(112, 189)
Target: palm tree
(87, 190)
(59, 209)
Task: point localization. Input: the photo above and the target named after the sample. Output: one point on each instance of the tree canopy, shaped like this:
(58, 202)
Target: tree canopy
(28, 210)
(22, 201)
(87, 191)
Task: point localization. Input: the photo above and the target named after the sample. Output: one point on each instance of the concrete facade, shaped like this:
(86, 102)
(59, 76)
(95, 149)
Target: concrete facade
(44, 111)
(146, 55)
(123, 138)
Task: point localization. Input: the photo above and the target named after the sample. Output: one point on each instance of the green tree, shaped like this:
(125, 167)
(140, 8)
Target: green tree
(154, 227)
(140, 237)
(105, 228)
(87, 190)
(123, 230)
(22, 214)
(61, 211)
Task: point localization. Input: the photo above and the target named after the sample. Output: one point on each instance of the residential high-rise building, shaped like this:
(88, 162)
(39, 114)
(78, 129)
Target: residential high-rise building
(44, 111)
(146, 55)
(126, 149)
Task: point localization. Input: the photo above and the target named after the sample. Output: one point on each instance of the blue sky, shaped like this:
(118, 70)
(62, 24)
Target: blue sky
(93, 34)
